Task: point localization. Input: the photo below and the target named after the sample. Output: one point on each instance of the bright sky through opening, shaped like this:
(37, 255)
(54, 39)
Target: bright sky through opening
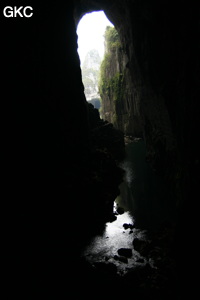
(90, 30)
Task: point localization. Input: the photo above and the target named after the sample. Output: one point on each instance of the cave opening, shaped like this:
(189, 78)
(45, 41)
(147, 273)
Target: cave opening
(91, 49)
(101, 47)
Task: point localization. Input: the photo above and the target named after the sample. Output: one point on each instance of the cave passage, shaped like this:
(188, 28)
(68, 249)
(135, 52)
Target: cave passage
(60, 176)
(125, 243)
(141, 190)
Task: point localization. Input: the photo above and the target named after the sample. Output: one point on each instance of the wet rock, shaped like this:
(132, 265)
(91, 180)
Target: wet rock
(112, 218)
(120, 210)
(126, 226)
(121, 259)
(126, 252)
(143, 247)
(106, 258)
(140, 260)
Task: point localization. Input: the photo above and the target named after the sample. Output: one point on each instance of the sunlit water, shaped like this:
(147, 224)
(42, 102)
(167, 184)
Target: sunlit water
(139, 192)
(103, 248)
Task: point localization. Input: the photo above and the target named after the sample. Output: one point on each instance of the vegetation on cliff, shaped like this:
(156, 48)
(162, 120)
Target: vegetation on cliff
(112, 38)
(111, 76)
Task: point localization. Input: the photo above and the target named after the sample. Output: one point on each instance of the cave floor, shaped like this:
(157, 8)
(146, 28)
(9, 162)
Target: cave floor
(150, 271)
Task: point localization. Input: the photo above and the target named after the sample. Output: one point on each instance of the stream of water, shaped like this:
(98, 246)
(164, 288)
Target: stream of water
(136, 190)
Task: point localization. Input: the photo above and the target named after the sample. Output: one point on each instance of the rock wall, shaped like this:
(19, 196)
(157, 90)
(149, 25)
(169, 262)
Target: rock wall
(53, 174)
(116, 88)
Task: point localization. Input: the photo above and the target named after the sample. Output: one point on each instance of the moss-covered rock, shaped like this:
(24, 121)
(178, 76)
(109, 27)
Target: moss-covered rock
(115, 86)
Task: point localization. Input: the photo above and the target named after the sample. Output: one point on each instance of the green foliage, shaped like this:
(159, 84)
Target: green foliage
(110, 86)
(112, 81)
(111, 38)
(102, 74)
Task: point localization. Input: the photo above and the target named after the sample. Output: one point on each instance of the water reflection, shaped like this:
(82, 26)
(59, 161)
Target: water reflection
(104, 248)
(141, 195)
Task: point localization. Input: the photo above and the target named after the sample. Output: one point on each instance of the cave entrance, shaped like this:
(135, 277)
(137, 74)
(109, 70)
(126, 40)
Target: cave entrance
(90, 30)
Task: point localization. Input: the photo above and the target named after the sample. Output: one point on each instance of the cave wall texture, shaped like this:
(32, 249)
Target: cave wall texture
(116, 88)
(45, 127)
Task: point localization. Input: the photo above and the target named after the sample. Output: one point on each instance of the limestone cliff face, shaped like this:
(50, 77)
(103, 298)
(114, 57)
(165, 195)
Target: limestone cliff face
(115, 87)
